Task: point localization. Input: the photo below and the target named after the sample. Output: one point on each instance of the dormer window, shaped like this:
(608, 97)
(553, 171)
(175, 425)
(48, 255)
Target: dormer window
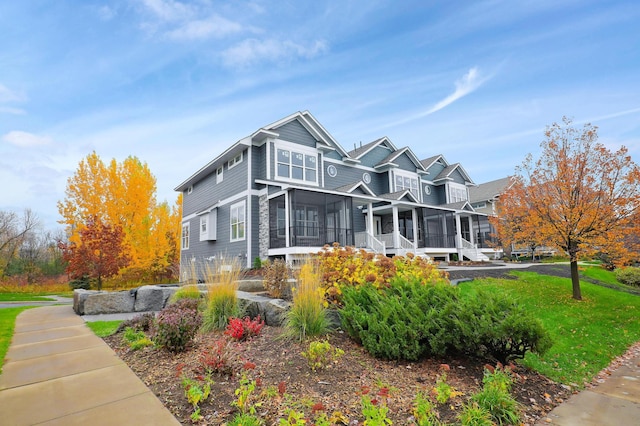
(294, 162)
(456, 193)
(406, 181)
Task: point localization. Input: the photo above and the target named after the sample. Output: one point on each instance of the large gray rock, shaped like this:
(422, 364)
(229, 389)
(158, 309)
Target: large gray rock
(108, 302)
(272, 311)
(79, 297)
(152, 297)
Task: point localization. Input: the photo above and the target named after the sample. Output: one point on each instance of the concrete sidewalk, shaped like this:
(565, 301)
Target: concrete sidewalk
(58, 372)
(614, 402)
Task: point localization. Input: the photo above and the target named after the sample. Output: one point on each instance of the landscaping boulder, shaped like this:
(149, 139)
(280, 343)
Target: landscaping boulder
(107, 302)
(272, 311)
(152, 297)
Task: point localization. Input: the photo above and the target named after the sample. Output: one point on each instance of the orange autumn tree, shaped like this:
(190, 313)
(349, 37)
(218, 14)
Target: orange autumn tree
(123, 194)
(578, 196)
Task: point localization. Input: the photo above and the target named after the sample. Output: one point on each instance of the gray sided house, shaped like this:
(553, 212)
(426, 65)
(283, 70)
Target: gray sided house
(290, 188)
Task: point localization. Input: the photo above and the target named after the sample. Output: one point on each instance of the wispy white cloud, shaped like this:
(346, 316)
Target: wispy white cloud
(214, 26)
(250, 51)
(8, 95)
(25, 139)
(469, 83)
(169, 10)
(106, 13)
(186, 21)
(11, 110)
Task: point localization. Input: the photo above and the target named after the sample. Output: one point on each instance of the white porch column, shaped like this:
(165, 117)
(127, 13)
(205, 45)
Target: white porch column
(370, 219)
(286, 219)
(414, 219)
(458, 232)
(396, 228)
(472, 237)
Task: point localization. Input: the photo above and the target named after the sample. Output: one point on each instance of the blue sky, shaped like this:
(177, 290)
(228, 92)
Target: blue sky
(176, 82)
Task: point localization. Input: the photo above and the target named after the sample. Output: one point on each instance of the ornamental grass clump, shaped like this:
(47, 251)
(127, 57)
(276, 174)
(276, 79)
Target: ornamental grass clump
(222, 301)
(177, 325)
(308, 316)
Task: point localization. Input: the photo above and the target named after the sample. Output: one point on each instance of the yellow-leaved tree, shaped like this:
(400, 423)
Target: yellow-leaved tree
(578, 196)
(123, 194)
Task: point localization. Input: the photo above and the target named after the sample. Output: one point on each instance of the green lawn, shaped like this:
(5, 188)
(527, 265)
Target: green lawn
(587, 334)
(7, 324)
(23, 297)
(104, 328)
(600, 274)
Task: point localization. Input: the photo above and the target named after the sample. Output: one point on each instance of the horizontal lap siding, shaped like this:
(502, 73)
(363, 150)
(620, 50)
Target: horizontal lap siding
(405, 163)
(295, 132)
(373, 157)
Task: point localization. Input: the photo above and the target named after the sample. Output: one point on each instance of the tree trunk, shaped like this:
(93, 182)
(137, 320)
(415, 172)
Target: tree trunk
(575, 279)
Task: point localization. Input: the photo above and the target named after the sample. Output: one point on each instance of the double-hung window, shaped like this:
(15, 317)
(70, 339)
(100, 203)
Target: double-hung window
(296, 163)
(238, 221)
(185, 236)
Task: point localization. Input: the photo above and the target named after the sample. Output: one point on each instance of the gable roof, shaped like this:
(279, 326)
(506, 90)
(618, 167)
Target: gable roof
(388, 160)
(489, 191)
(352, 187)
(460, 205)
(313, 126)
(399, 195)
(428, 162)
(362, 150)
(445, 174)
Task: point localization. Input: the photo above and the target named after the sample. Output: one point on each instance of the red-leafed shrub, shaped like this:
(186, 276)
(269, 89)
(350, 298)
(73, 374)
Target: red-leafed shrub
(177, 325)
(243, 329)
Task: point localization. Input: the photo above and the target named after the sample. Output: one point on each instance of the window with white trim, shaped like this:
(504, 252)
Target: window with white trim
(238, 221)
(296, 163)
(219, 174)
(208, 226)
(235, 161)
(407, 181)
(185, 236)
(457, 192)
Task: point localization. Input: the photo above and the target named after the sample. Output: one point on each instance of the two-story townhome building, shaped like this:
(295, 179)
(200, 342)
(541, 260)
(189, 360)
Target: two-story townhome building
(289, 188)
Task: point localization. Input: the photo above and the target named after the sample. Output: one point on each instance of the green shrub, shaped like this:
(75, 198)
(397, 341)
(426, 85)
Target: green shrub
(628, 276)
(409, 320)
(404, 321)
(177, 325)
(276, 278)
(497, 328)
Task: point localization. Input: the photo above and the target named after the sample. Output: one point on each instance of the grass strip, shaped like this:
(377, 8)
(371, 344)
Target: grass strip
(7, 325)
(103, 328)
(24, 297)
(587, 334)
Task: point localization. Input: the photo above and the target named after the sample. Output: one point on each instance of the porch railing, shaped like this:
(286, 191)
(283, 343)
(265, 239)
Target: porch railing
(368, 241)
(471, 251)
(310, 236)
